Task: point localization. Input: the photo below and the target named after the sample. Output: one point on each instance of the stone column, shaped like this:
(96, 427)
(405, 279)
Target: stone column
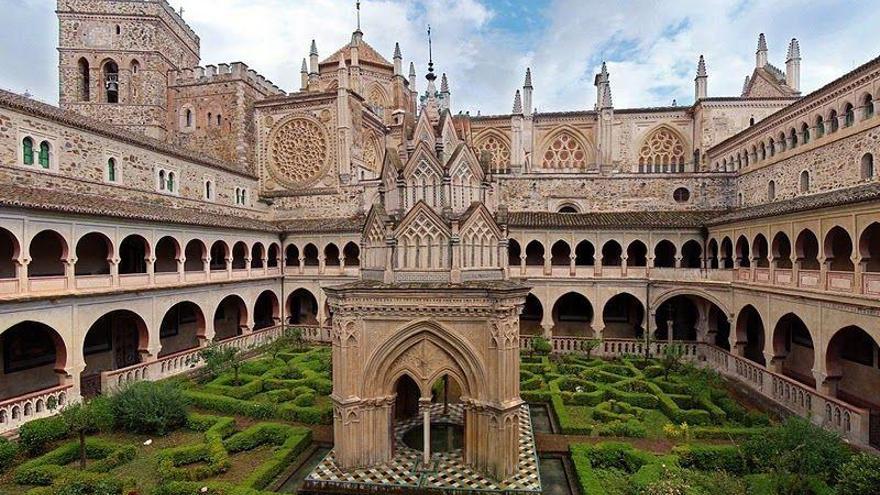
(247, 265)
(181, 268)
(824, 265)
(858, 276)
(151, 269)
(548, 268)
(522, 264)
(229, 266)
(70, 272)
(21, 273)
(623, 265)
(114, 271)
(795, 268)
(572, 267)
(302, 263)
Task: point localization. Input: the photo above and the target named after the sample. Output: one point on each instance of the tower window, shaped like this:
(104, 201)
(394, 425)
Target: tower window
(219, 118)
(111, 81)
(84, 81)
(161, 180)
(111, 170)
(805, 182)
(118, 29)
(867, 166)
(44, 154)
(135, 67)
(209, 190)
(27, 151)
(849, 115)
(771, 191)
(189, 118)
(171, 182)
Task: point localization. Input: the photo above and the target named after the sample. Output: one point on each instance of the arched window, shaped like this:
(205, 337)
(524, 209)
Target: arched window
(219, 119)
(111, 81)
(565, 151)
(772, 147)
(111, 170)
(210, 120)
(771, 191)
(820, 127)
(171, 182)
(832, 118)
(868, 103)
(84, 82)
(849, 115)
(751, 121)
(27, 151)
(805, 133)
(763, 151)
(805, 182)
(44, 154)
(135, 67)
(188, 117)
(209, 190)
(867, 166)
(161, 180)
(662, 151)
(792, 138)
(118, 29)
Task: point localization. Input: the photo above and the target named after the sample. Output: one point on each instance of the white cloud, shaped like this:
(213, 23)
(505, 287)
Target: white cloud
(652, 46)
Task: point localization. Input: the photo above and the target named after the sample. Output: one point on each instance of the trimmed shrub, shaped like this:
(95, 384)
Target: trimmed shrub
(712, 458)
(617, 428)
(74, 482)
(8, 452)
(860, 476)
(35, 436)
(799, 448)
(150, 408)
(45, 469)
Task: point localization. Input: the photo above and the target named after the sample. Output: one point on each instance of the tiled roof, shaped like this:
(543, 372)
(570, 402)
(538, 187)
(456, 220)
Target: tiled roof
(55, 200)
(43, 110)
(635, 219)
(839, 197)
(322, 225)
(366, 53)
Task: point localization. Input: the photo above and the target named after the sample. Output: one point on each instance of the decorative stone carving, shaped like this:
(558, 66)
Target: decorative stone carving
(298, 153)
(663, 148)
(565, 151)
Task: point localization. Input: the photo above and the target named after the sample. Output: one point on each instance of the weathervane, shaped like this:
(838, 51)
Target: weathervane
(430, 75)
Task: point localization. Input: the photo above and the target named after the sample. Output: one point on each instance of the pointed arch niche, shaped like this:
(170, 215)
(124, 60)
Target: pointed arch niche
(565, 149)
(663, 150)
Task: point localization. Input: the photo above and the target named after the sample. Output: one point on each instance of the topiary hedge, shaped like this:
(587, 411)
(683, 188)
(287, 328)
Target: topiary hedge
(35, 436)
(45, 469)
(8, 453)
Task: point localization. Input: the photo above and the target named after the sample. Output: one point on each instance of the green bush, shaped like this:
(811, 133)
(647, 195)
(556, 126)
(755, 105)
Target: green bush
(35, 436)
(727, 458)
(799, 448)
(150, 407)
(860, 476)
(45, 469)
(213, 488)
(617, 428)
(74, 482)
(8, 452)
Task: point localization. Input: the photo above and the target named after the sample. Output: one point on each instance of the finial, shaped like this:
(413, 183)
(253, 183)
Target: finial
(305, 68)
(701, 67)
(517, 103)
(342, 61)
(794, 50)
(412, 70)
(606, 97)
(746, 84)
(762, 43)
(528, 83)
(430, 76)
(674, 102)
(444, 84)
(397, 51)
(604, 69)
(358, 7)
(314, 49)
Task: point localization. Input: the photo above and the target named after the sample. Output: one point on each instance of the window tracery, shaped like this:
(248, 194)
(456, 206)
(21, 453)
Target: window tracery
(299, 151)
(497, 149)
(663, 151)
(565, 151)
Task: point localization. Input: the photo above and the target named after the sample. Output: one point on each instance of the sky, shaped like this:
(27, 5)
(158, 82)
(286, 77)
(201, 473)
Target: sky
(651, 46)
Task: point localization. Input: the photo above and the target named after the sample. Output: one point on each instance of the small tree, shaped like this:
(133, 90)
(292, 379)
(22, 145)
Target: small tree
(671, 359)
(219, 358)
(587, 346)
(82, 418)
(296, 337)
(541, 346)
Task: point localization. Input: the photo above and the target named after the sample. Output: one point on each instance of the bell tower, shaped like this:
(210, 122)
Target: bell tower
(114, 57)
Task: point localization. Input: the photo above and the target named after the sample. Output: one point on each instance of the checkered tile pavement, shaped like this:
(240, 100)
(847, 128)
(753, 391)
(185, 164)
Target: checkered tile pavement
(447, 471)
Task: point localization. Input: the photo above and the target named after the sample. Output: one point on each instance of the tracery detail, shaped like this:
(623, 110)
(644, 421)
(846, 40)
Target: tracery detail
(565, 151)
(298, 151)
(663, 151)
(498, 150)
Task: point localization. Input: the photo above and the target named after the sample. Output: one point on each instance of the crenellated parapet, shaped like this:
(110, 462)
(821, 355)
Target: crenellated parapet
(236, 71)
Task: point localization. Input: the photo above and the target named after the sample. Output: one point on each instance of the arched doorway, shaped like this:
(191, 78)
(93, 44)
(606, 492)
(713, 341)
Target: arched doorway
(266, 311)
(167, 253)
(869, 248)
(713, 255)
(302, 308)
(133, 253)
(513, 253)
(573, 316)
(682, 314)
(195, 256)
(116, 340)
(750, 335)
(531, 316)
(291, 256)
(331, 255)
(838, 250)
(743, 257)
(793, 352)
(257, 252)
(230, 318)
(182, 328)
(807, 250)
(406, 400)
(34, 358)
(624, 317)
(781, 249)
(351, 254)
(9, 253)
(852, 367)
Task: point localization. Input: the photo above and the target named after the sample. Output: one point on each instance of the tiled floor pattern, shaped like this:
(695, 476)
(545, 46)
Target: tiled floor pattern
(447, 470)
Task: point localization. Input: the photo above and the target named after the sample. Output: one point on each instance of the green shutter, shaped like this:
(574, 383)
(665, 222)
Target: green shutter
(27, 149)
(44, 154)
(111, 170)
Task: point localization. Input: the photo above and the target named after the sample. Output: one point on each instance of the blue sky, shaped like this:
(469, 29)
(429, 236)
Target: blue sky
(651, 46)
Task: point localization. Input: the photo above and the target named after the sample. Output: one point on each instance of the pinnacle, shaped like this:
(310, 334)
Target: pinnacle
(762, 43)
(314, 49)
(606, 98)
(304, 68)
(412, 69)
(397, 51)
(794, 50)
(444, 84)
(528, 82)
(517, 103)
(701, 67)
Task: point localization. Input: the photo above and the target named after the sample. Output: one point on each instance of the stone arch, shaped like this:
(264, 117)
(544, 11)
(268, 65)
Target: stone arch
(725, 260)
(869, 247)
(612, 253)
(10, 253)
(48, 252)
(167, 254)
(291, 255)
(560, 253)
(662, 150)
(535, 253)
(239, 255)
(398, 355)
(750, 334)
(565, 148)
(230, 317)
(573, 315)
(134, 254)
(780, 248)
(584, 254)
(531, 316)
(351, 254)
(743, 257)
(664, 254)
(623, 317)
(691, 254)
(851, 366)
(195, 253)
(273, 256)
(838, 250)
(807, 250)
(496, 146)
(302, 307)
(94, 252)
(34, 357)
(331, 255)
(713, 316)
(257, 253)
(267, 310)
(761, 251)
(793, 349)
(310, 255)
(117, 339)
(712, 254)
(183, 327)
(637, 253)
(219, 254)
(693, 293)
(513, 252)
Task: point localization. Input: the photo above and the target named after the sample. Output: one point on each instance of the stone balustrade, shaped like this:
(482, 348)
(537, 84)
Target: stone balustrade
(19, 410)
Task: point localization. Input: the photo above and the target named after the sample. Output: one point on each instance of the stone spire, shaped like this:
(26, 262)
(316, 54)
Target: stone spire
(342, 72)
(445, 101)
(398, 60)
(313, 58)
(527, 93)
(602, 80)
(412, 76)
(746, 85)
(793, 65)
(304, 76)
(761, 53)
(701, 81)
(444, 83)
(606, 98)
(517, 104)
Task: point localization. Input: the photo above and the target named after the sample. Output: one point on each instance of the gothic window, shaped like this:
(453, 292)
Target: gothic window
(171, 182)
(424, 185)
(868, 103)
(44, 154)
(298, 151)
(497, 149)
(479, 246)
(161, 180)
(662, 151)
(219, 119)
(820, 127)
(424, 245)
(565, 151)
(111, 170)
(188, 117)
(371, 155)
(792, 138)
(210, 119)
(376, 102)
(83, 80)
(27, 151)
(805, 134)
(805, 182)
(465, 189)
(772, 147)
